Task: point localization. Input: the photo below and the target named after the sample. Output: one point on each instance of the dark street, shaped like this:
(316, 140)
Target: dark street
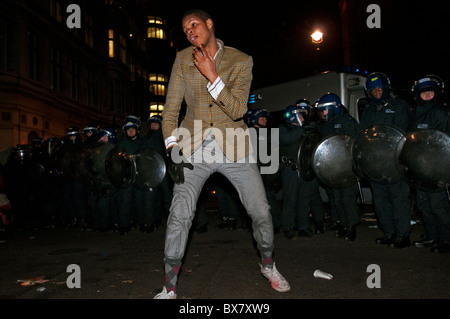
(219, 264)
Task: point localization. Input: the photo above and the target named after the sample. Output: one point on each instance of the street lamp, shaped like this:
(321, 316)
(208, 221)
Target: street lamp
(317, 37)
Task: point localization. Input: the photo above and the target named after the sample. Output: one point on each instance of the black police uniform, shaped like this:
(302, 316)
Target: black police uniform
(154, 204)
(299, 195)
(126, 195)
(391, 200)
(434, 206)
(345, 199)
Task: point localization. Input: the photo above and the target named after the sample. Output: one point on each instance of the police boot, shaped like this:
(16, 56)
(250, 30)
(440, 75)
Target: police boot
(400, 242)
(319, 229)
(350, 234)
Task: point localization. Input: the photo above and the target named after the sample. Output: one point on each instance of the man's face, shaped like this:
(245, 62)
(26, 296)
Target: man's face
(131, 132)
(427, 95)
(197, 31)
(154, 126)
(323, 113)
(262, 121)
(377, 93)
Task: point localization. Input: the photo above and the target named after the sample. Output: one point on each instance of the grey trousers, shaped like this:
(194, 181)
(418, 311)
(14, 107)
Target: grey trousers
(247, 180)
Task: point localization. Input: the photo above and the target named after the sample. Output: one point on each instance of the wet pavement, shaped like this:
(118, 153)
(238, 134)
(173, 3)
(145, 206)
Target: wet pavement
(219, 264)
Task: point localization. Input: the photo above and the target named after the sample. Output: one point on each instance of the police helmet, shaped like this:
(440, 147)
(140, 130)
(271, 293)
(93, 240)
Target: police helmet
(246, 117)
(304, 104)
(378, 80)
(155, 119)
(428, 83)
(330, 102)
(132, 121)
(110, 132)
(73, 130)
(291, 114)
(255, 115)
(90, 128)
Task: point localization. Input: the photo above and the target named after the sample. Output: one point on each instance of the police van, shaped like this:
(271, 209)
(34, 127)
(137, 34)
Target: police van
(348, 84)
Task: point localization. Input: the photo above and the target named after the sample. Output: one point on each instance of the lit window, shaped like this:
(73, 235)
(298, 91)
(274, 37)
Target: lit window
(111, 42)
(156, 108)
(157, 77)
(156, 20)
(158, 83)
(158, 89)
(155, 29)
(156, 33)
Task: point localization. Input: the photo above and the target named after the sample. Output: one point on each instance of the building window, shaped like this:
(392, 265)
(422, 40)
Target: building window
(90, 89)
(55, 69)
(33, 55)
(3, 51)
(156, 108)
(73, 78)
(156, 29)
(158, 89)
(111, 43)
(56, 10)
(158, 84)
(6, 116)
(123, 49)
(89, 31)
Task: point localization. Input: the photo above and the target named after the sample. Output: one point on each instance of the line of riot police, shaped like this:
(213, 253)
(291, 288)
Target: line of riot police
(402, 152)
(92, 182)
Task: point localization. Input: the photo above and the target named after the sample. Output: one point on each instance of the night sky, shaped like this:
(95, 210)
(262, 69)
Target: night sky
(412, 40)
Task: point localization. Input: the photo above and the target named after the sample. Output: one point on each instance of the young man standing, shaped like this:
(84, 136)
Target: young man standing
(214, 80)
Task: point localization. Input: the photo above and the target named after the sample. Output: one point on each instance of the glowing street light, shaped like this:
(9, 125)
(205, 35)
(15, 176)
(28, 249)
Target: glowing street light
(317, 37)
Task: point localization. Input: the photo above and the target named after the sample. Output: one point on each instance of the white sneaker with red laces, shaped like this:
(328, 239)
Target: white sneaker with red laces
(166, 295)
(278, 282)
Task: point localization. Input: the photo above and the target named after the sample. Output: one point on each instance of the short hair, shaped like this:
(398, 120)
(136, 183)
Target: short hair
(202, 14)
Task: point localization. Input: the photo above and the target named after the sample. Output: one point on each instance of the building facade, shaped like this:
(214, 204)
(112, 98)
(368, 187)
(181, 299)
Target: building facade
(63, 65)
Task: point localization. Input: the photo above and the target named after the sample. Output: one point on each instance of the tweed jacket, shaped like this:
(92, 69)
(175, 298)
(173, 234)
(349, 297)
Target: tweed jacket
(204, 114)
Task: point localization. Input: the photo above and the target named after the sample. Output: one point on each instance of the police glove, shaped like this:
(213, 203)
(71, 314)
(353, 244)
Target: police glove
(176, 162)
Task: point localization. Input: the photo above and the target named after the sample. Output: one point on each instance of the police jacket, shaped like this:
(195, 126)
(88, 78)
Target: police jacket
(130, 146)
(430, 116)
(153, 140)
(391, 111)
(290, 138)
(340, 124)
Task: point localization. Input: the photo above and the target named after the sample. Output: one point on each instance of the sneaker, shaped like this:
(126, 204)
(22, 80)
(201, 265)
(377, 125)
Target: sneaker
(276, 279)
(166, 295)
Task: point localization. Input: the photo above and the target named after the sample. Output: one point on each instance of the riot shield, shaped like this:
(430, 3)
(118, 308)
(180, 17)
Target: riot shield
(424, 160)
(120, 168)
(96, 165)
(308, 144)
(332, 162)
(375, 153)
(70, 161)
(150, 169)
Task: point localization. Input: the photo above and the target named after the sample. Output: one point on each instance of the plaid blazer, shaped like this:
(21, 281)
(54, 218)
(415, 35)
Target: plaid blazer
(204, 114)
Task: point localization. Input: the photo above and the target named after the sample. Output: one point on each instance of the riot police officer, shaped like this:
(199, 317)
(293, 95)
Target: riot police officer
(432, 113)
(297, 193)
(261, 120)
(337, 121)
(130, 143)
(391, 200)
(103, 206)
(90, 131)
(154, 203)
(75, 193)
